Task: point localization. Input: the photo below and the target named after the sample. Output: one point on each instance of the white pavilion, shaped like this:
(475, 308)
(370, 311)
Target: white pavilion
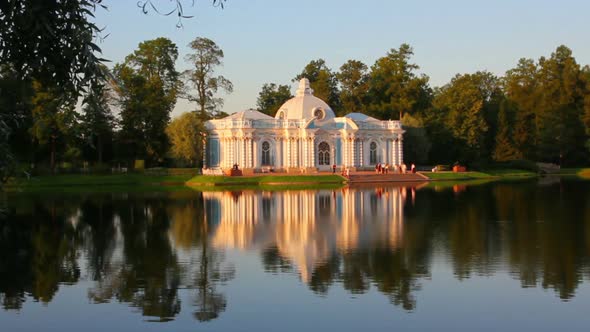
(304, 136)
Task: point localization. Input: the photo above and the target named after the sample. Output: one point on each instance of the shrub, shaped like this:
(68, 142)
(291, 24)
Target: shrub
(139, 165)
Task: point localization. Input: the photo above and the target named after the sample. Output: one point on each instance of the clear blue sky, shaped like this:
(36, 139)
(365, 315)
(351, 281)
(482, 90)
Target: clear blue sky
(271, 41)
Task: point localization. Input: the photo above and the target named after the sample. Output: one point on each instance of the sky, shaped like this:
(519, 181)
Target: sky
(271, 41)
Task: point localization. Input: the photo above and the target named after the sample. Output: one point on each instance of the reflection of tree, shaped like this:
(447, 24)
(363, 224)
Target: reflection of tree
(149, 275)
(37, 253)
(546, 240)
(211, 272)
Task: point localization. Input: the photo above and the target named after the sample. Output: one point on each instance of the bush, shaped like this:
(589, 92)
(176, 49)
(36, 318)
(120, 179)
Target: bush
(156, 171)
(100, 168)
(526, 165)
(139, 165)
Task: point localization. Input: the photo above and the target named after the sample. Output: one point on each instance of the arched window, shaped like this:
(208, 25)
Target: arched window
(373, 153)
(266, 160)
(319, 114)
(324, 154)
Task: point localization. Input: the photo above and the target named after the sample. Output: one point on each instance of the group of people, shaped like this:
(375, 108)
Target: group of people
(381, 168)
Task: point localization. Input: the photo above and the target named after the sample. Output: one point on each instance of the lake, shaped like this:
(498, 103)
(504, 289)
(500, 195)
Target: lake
(502, 256)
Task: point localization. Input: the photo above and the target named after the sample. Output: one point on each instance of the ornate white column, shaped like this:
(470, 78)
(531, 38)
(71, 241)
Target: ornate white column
(401, 150)
(249, 143)
(242, 152)
(361, 154)
(351, 156)
(312, 141)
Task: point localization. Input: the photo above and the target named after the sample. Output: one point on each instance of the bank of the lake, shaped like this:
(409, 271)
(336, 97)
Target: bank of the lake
(145, 182)
(266, 180)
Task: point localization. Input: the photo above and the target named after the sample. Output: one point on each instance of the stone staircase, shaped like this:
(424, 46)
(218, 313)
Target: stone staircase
(372, 177)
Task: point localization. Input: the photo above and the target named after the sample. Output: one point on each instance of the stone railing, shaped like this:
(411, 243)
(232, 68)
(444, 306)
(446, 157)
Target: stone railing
(260, 124)
(380, 125)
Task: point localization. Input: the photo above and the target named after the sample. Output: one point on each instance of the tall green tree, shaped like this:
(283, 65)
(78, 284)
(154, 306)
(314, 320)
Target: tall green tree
(323, 82)
(148, 85)
(561, 133)
(463, 102)
(586, 116)
(185, 135)
(97, 120)
(207, 56)
(505, 149)
(395, 87)
(416, 141)
(521, 88)
(354, 86)
(271, 97)
(54, 120)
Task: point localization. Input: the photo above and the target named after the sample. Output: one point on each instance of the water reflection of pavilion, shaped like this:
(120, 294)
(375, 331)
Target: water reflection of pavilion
(307, 227)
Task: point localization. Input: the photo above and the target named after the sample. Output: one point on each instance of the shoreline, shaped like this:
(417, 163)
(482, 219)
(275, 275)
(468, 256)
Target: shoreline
(137, 181)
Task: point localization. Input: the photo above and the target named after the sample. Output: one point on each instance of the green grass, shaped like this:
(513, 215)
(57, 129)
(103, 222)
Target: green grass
(457, 176)
(579, 172)
(96, 182)
(487, 174)
(279, 180)
(143, 182)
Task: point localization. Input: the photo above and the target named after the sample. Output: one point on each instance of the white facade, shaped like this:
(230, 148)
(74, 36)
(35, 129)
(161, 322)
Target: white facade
(304, 136)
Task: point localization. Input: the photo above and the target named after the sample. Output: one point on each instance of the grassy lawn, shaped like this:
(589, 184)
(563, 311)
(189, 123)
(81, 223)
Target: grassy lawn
(580, 172)
(495, 173)
(283, 180)
(97, 181)
(143, 182)
(457, 176)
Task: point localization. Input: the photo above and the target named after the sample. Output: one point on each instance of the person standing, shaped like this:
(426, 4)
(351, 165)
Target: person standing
(334, 169)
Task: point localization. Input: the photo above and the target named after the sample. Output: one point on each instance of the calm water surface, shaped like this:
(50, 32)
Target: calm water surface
(502, 256)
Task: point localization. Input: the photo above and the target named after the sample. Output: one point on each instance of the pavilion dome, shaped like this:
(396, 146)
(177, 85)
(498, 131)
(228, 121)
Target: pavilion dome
(305, 105)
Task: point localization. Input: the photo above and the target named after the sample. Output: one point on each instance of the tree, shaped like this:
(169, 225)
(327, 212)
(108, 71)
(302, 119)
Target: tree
(51, 41)
(395, 88)
(271, 97)
(505, 149)
(147, 87)
(521, 88)
(561, 133)
(185, 135)
(586, 116)
(354, 86)
(207, 56)
(416, 142)
(53, 117)
(323, 82)
(463, 104)
(97, 120)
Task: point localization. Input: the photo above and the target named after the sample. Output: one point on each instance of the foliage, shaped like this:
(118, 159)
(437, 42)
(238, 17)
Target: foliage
(54, 120)
(51, 41)
(465, 104)
(147, 88)
(205, 59)
(186, 137)
(271, 97)
(505, 149)
(416, 142)
(354, 86)
(97, 120)
(322, 81)
(395, 88)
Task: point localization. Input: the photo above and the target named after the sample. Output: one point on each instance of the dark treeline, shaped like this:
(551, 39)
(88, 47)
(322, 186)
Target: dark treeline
(122, 116)
(538, 111)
